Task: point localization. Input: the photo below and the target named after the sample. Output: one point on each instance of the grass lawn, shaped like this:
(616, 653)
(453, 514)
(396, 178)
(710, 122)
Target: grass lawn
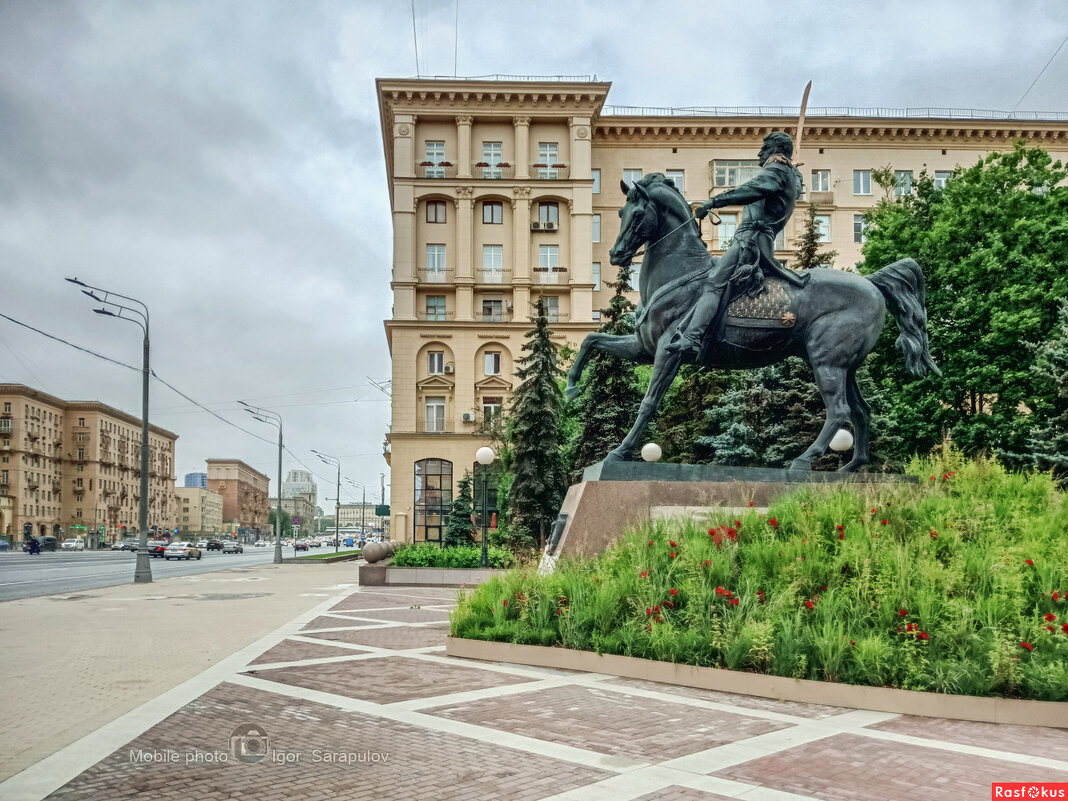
(957, 586)
(330, 554)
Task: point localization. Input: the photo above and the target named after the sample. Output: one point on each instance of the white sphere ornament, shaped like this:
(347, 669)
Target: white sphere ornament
(651, 452)
(842, 441)
(485, 455)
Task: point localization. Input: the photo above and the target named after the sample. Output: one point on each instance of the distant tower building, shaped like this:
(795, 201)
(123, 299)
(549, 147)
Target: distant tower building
(297, 483)
(198, 480)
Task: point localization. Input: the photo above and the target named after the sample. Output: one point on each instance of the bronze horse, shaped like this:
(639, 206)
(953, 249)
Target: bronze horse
(839, 316)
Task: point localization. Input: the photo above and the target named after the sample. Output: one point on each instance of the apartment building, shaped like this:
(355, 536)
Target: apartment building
(244, 495)
(300, 507)
(75, 466)
(505, 193)
(198, 511)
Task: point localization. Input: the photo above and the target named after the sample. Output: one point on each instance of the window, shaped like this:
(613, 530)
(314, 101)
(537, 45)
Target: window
(597, 275)
(630, 177)
(635, 275)
(435, 154)
(493, 212)
(491, 409)
(549, 212)
(821, 181)
(859, 234)
(433, 499)
(492, 264)
(596, 316)
(552, 308)
(435, 307)
(81, 454)
(436, 362)
(492, 362)
(435, 264)
(7, 407)
(902, 182)
(596, 181)
(733, 172)
(728, 225)
(81, 421)
(435, 211)
(548, 156)
(596, 225)
(678, 177)
(823, 225)
(780, 241)
(548, 260)
(861, 182)
(492, 310)
(435, 415)
(491, 155)
(78, 482)
(940, 178)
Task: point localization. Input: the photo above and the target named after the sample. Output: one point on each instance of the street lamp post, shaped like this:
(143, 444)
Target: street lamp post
(274, 419)
(363, 506)
(485, 456)
(142, 568)
(333, 460)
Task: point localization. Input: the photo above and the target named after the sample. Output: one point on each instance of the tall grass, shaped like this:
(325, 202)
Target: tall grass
(955, 586)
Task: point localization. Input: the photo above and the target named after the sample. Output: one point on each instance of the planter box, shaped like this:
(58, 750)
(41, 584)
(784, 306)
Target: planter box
(378, 575)
(326, 560)
(849, 696)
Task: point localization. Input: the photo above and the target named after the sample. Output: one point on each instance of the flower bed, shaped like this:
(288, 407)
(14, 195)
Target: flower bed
(958, 587)
(429, 555)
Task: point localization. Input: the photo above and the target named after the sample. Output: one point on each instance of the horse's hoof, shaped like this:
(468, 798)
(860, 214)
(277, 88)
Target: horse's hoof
(801, 464)
(851, 467)
(571, 392)
(614, 456)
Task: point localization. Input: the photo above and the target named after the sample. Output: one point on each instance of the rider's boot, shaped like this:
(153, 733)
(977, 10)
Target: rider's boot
(689, 339)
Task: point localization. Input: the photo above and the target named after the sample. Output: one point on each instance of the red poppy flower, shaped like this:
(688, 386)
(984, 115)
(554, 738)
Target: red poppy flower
(809, 605)
(505, 602)
(934, 534)
(1064, 627)
(737, 523)
(874, 510)
(671, 555)
(644, 574)
(1027, 645)
(840, 528)
(648, 627)
(656, 608)
(706, 563)
(902, 612)
(673, 591)
(650, 542)
(658, 619)
(1056, 596)
(853, 642)
(672, 544)
(884, 522)
(648, 611)
(1051, 629)
(750, 503)
(1050, 617)
(1030, 562)
(734, 601)
(773, 522)
(669, 604)
(911, 627)
(841, 536)
(931, 478)
(922, 635)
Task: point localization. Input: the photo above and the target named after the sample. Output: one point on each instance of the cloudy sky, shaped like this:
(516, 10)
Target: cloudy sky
(221, 161)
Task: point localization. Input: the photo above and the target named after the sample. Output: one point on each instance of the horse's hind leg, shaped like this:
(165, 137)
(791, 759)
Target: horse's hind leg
(861, 424)
(832, 383)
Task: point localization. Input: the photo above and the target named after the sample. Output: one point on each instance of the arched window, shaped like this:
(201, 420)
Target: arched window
(433, 499)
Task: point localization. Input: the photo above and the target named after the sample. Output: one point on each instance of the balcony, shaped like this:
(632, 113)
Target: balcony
(6, 425)
(548, 172)
(435, 316)
(821, 198)
(493, 172)
(495, 317)
(435, 169)
(425, 276)
(32, 485)
(492, 276)
(550, 275)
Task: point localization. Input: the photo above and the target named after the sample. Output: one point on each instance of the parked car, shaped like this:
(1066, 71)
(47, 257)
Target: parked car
(314, 543)
(202, 544)
(157, 548)
(214, 545)
(76, 544)
(182, 550)
(128, 544)
(261, 543)
(300, 546)
(232, 547)
(47, 543)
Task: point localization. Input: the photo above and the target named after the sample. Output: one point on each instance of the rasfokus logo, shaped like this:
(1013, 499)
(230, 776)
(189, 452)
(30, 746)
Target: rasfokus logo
(249, 743)
(1029, 790)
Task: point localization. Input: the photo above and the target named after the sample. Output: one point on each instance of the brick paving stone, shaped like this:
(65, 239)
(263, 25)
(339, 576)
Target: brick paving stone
(410, 615)
(395, 678)
(412, 763)
(396, 637)
(798, 709)
(327, 622)
(1030, 740)
(677, 793)
(293, 651)
(610, 722)
(851, 766)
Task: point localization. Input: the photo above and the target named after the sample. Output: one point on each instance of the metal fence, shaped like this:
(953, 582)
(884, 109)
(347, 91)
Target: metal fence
(835, 111)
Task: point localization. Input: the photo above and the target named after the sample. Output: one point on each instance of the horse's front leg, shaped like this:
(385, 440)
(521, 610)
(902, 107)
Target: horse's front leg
(665, 368)
(624, 346)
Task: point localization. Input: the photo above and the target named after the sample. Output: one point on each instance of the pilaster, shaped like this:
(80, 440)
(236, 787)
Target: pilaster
(522, 147)
(463, 138)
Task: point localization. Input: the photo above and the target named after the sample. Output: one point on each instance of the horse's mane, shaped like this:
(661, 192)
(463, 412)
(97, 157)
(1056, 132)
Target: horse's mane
(670, 193)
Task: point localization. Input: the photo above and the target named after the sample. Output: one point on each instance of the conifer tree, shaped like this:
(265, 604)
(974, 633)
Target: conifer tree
(460, 528)
(539, 478)
(808, 254)
(1049, 441)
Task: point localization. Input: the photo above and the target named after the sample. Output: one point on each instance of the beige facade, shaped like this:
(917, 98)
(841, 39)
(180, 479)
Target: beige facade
(357, 514)
(243, 490)
(302, 506)
(506, 192)
(198, 511)
(75, 467)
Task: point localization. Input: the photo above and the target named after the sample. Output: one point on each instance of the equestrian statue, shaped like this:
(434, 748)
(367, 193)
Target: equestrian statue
(745, 309)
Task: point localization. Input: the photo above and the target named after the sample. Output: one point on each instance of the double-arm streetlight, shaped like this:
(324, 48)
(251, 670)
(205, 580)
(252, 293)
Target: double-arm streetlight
(143, 568)
(485, 456)
(333, 460)
(274, 419)
(363, 507)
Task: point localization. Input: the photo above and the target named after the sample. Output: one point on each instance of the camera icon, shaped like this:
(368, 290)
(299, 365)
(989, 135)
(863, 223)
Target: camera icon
(249, 743)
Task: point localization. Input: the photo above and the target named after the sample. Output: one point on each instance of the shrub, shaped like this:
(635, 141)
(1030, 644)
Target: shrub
(426, 554)
(956, 586)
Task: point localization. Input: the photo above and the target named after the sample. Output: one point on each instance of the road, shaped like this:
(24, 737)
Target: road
(25, 576)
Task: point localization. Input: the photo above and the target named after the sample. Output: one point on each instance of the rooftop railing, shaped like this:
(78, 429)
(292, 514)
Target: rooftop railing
(792, 112)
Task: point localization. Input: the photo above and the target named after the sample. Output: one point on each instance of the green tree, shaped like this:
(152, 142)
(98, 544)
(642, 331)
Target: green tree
(460, 530)
(611, 391)
(808, 254)
(993, 244)
(1049, 438)
(682, 423)
(287, 521)
(539, 477)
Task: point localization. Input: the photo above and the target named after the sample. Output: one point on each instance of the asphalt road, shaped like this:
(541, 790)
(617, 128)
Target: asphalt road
(25, 576)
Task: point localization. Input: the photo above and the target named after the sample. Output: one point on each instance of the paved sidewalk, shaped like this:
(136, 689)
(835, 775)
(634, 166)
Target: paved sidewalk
(355, 699)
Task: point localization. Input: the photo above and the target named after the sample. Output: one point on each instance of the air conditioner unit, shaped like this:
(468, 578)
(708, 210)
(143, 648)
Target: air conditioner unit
(535, 226)
(449, 368)
(549, 226)
(469, 417)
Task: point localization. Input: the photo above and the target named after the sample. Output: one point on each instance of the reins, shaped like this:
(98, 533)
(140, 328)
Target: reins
(687, 221)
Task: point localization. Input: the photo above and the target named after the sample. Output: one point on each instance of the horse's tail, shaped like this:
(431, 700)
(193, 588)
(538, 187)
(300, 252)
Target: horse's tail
(901, 283)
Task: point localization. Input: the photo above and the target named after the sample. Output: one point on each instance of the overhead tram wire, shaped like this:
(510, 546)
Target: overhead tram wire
(415, 39)
(1040, 74)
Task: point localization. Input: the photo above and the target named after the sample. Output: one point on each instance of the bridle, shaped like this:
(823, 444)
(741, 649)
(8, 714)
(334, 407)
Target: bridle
(687, 221)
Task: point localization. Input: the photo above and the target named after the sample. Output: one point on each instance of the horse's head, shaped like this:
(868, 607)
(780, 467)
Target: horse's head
(639, 221)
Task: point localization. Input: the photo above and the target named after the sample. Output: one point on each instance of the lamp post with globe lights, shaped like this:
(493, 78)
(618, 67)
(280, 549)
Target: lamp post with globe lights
(274, 419)
(335, 462)
(485, 456)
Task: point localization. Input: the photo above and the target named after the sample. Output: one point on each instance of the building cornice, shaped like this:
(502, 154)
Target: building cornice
(82, 406)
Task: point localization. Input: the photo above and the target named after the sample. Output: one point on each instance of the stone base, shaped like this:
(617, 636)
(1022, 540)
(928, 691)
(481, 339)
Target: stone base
(621, 495)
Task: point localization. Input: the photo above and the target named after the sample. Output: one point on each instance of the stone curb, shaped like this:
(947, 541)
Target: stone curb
(879, 699)
(326, 560)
